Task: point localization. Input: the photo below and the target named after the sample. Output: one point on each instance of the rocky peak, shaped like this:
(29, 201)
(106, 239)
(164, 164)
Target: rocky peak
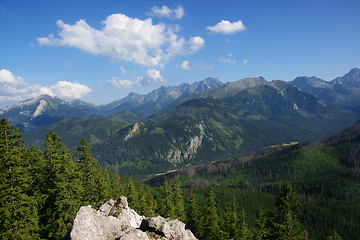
(116, 220)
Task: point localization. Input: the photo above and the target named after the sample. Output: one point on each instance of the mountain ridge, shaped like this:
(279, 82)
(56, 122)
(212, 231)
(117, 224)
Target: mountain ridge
(209, 129)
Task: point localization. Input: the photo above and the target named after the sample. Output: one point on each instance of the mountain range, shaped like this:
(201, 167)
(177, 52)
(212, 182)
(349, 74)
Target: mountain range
(190, 124)
(343, 91)
(45, 110)
(210, 129)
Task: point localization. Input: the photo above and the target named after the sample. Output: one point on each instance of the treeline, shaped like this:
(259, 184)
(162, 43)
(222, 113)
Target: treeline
(41, 191)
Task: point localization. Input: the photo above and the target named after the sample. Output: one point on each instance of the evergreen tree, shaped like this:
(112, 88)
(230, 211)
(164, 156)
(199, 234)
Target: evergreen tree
(192, 215)
(90, 173)
(177, 200)
(146, 202)
(211, 228)
(244, 232)
(62, 189)
(133, 196)
(231, 220)
(284, 223)
(167, 209)
(17, 207)
(261, 230)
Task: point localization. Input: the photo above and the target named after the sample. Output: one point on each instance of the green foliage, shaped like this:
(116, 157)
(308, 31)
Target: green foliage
(167, 209)
(177, 200)
(73, 130)
(210, 218)
(42, 191)
(284, 222)
(334, 236)
(192, 215)
(19, 217)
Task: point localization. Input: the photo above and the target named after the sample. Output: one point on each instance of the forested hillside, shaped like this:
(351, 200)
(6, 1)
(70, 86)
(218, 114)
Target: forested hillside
(325, 174)
(71, 131)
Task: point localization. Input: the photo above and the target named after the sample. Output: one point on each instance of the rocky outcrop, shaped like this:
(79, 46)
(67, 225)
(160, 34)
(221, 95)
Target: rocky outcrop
(170, 229)
(115, 220)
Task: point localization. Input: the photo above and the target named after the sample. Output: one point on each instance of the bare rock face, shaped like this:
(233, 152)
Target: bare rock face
(170, 229)
(115, 220)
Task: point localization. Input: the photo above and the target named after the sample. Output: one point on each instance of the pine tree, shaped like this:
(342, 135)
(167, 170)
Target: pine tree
(211, 229)
(231, 220)
(261, 230)
(177, 200)
(133, 196)
(244, 232)
(19, 219)
(167, 209)
(192, 215)
(89, 174)
(284, 223)
(62, 189)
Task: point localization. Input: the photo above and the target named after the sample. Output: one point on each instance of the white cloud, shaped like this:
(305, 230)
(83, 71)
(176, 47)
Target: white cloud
(119, 83)
(245, 61)
(15, 88)
(196, 43)
(125, 39)
(226, 27)
(152, 76)
(226, 60)
(186, 65)
(69, 90)
(165, 11)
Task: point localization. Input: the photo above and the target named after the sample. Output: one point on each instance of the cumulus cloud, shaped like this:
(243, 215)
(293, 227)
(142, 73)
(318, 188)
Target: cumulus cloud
(185, 65)
(226, 27)
(196, 43)
(125, 39)
(245, 61)
(69, 90)
(120, 83)
(152, 76)
(15, 88)
(165, 11)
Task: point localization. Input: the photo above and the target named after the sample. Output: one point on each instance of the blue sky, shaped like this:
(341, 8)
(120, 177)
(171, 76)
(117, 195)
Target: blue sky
(99, 51)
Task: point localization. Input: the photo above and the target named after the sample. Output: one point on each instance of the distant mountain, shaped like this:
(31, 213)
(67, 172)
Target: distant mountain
(45, 110)
(342, 91)
(157, 100)
(226, 90)
(208, 129)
